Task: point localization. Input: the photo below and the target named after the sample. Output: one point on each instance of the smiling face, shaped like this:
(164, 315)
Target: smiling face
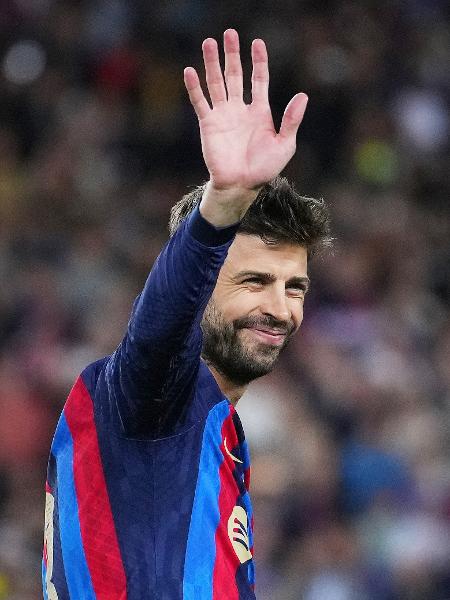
(256, 306)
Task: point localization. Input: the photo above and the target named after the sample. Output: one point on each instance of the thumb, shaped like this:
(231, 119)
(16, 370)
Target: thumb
(293, 115)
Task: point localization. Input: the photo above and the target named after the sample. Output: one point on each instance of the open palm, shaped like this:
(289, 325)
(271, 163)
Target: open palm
(240, 145)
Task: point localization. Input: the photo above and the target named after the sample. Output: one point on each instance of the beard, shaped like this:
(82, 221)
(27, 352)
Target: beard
(240, 361)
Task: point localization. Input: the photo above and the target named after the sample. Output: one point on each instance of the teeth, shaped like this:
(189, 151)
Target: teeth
(274, 333)
(267, 331)
(271, 332)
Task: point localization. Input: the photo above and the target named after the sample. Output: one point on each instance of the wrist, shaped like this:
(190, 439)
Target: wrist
(224, 207)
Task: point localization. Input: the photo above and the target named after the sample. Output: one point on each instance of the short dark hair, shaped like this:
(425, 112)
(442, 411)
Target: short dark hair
(279, 214)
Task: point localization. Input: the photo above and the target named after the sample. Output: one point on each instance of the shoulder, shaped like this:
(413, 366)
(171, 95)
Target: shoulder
(90, 375)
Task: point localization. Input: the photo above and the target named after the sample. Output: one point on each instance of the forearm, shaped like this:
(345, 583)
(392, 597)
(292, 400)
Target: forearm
(181, 281)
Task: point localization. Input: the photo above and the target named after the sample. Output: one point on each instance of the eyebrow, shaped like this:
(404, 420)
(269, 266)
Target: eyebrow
(300, 282)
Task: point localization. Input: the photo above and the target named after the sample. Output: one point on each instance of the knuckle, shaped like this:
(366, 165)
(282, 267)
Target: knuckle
(233, 70)
(214, 80)
(259, 78)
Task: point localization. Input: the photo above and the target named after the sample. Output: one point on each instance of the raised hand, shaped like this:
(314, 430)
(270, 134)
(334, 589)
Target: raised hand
(240, 145)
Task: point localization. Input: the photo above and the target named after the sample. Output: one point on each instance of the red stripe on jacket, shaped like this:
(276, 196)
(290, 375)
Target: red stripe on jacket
(98, 532)
(227, 562)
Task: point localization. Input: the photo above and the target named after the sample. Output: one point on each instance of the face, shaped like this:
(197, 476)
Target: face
(256, 306)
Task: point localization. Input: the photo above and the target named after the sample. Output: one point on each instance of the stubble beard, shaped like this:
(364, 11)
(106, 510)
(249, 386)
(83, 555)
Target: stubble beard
(239, 360)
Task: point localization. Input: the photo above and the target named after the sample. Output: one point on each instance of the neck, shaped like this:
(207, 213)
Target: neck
(231, 390)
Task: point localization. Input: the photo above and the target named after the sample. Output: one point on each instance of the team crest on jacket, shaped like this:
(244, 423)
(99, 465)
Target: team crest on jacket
(238, 533)
(48, 546)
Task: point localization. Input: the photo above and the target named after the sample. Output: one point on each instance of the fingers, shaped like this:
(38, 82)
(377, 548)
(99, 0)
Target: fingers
(260, 74)
(218, 88)
(293, 116)
(233, 66)
(214, 78)
(196, 96)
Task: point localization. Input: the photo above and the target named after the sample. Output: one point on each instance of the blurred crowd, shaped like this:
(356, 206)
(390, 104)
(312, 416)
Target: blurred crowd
(350, 434)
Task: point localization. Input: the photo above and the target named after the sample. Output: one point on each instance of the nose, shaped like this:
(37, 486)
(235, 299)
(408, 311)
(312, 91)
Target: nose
(275, 304)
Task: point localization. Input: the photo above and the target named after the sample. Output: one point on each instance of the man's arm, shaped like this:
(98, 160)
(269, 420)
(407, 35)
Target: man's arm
(242, 151)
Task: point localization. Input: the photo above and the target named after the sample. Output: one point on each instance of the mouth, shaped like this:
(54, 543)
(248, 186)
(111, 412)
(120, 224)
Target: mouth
(272, 337)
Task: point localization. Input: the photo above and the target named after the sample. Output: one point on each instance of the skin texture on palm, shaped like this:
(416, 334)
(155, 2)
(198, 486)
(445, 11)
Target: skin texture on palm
(241, 148)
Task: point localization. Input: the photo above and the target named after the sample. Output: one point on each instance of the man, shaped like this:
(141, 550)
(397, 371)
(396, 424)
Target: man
(147, 489)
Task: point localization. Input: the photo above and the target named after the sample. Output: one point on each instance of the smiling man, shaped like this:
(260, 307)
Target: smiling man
(257, 303)
(148, 478)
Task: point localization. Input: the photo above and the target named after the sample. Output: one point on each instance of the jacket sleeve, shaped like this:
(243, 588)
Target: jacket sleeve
(151, 376)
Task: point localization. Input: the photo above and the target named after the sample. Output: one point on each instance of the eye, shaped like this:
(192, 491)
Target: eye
(296, 292)
(253, 281)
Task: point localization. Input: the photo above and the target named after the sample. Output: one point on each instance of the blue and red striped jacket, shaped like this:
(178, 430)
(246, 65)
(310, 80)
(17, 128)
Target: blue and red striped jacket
(148, 476)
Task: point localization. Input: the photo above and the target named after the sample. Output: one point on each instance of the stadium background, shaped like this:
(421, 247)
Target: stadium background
(350, 435)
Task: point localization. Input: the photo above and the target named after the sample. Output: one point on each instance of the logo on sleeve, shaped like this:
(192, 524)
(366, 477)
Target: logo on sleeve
(235, 458)
(238, 533)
